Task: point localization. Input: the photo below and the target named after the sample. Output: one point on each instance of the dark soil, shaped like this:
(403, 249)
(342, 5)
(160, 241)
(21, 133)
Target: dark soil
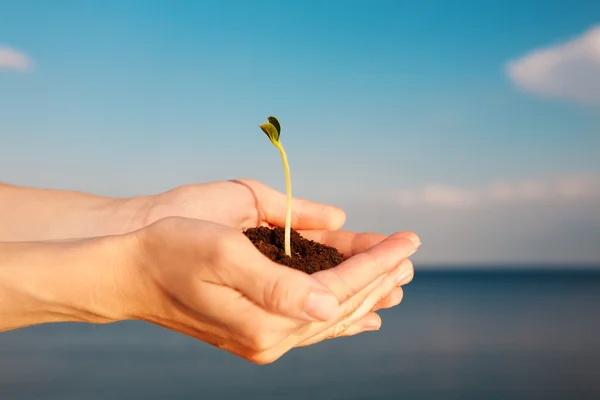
(307, 255)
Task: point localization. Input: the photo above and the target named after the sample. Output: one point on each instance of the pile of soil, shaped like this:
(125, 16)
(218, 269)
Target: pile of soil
(307, 255)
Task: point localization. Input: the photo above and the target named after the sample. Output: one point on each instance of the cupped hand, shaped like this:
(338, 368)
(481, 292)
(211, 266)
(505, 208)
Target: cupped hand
(246, 203)
(208, 281)
(239, 204)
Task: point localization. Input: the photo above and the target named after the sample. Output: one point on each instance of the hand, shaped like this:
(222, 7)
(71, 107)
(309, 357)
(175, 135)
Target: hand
(242, 204)
(209, 281)
(239, 204)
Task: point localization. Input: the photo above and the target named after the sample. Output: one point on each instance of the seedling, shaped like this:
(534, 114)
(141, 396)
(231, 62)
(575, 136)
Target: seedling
(273, 131)
(309, 256)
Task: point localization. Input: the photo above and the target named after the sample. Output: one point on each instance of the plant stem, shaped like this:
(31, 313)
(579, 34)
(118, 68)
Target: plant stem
(288, 190)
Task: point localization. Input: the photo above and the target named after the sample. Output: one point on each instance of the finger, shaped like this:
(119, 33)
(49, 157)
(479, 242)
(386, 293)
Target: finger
(354, 274)
(305, 214)
(370, 322)
(319, 331)
(353, 282)
(362, 304)
(391, 300)
(352, 243)
(348, 243)
(280, 289)
(351, 311)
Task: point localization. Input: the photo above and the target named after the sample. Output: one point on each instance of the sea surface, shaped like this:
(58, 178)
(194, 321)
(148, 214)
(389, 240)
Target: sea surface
(457, 335)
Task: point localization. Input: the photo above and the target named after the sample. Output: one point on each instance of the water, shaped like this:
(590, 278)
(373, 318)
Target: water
(457, 335)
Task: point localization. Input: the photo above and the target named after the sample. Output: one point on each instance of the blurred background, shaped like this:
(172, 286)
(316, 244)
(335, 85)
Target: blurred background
(475, 124)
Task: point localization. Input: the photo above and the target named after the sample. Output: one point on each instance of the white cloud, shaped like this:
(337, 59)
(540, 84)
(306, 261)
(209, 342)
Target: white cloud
(550, 190)
(13, 59)
(569, 70)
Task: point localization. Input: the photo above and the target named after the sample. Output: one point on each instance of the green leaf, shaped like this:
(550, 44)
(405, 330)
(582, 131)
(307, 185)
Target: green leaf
(271, 131)
(276, 124)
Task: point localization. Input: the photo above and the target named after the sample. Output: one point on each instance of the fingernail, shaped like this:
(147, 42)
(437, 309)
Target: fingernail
(402, 277)
(321, 305)
(416, 242)
(417, 245)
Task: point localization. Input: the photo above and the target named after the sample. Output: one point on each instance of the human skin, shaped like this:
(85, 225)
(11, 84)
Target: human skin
(157, 261)
(33, 214)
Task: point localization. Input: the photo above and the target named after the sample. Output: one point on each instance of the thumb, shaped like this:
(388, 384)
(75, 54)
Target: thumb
(285, 291)
(306, 214)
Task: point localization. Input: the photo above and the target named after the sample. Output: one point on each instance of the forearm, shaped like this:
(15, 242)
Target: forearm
(59, 282)
(30, 214)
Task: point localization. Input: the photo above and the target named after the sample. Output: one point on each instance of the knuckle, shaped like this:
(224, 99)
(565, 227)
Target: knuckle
(223, 256)
(343, 285)
(160, 228)
(372, 292)
(355, 303)
(168, 223)
(263, 357)
(338, 330)
(407, 266)
(224, 246)
(221, 245)
(278, 293)
(262, 340)
(352, 331)
(350, 307)
(381, 297)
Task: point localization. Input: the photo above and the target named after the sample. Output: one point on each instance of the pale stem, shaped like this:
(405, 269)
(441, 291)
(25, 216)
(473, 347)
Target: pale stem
(288, 190)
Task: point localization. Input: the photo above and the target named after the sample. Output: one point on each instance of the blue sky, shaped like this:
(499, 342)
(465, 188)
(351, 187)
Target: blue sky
(443, 118)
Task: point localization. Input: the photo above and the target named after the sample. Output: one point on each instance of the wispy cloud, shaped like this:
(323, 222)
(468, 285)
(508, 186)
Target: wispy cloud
(549, 190)
(14, 60)
(569, 70)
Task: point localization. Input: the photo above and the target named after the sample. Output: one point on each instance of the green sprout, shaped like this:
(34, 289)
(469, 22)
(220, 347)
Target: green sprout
(273, 130)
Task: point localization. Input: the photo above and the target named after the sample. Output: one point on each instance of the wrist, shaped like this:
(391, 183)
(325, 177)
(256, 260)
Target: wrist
(76, 281)
(121, 216)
